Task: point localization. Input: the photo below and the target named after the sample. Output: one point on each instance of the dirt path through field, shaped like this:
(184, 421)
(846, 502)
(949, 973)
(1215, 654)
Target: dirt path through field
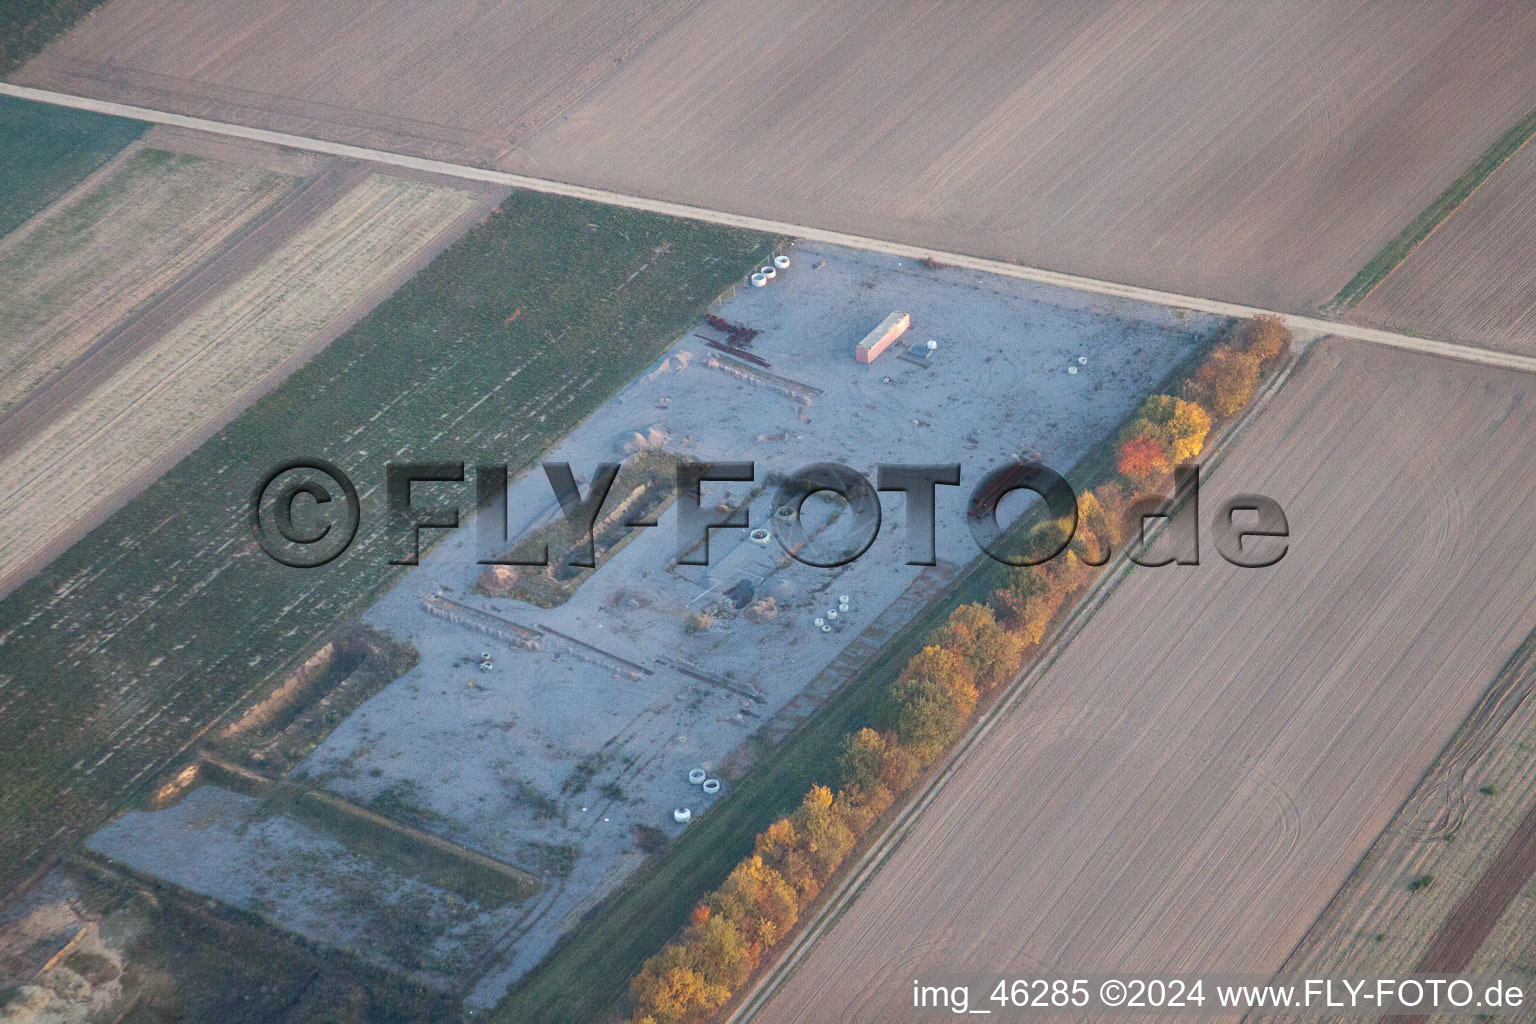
(1304, 325)
(118, 346)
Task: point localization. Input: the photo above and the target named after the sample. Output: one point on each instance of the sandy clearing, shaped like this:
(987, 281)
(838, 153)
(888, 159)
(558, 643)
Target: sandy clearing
(308, 881)
(435, 79)
(1474, 279)
(86, 461)
(84, 265)
(1184, 790)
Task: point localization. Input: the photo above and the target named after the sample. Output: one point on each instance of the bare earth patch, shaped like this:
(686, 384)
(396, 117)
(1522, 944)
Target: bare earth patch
(422, 77)
(1255, 153)
(1259, 153)
(1421, 872)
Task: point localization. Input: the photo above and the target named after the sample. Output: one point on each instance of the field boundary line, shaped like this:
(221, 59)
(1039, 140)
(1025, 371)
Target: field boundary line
(1300, 324)
(1436, 215)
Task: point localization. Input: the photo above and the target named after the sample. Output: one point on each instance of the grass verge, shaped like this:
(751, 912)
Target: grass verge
(1424, 225)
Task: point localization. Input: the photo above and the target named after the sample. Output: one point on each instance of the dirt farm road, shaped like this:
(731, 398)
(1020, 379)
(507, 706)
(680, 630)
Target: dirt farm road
(1302, 325)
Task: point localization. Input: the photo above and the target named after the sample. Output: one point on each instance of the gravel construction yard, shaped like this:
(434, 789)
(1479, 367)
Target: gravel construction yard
(1260, 153)
(1191, 780)
(1474, 279)
(562, 759)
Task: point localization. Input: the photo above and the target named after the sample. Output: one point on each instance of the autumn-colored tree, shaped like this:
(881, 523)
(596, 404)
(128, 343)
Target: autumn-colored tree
(992, 651)
(1030, 583)
(1038, 614)
(1050, 537)
(780, 845)
(1141, 459)
(997, 654)
(754, 891)
(775, 841)
(824, 835)
(901, 767)
(1266, 336)
(945, 668)
(966, 621)
(1068, 574)
(1091, 515)
(1187, 429)
(858, 811)
(1227, 380)
(863, 762)
(1023, 584)
(1096, 532)
(933, 696)
(1114, 501)
(668, 990)
(1180, 426)
(1028, 602)
(723, 952)
(927, 721)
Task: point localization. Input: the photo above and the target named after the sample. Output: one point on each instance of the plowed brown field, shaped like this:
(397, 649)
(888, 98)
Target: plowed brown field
(1472, 807)
(1254, 152)
(1198, 772)
(1474, 279)
(420, 76)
